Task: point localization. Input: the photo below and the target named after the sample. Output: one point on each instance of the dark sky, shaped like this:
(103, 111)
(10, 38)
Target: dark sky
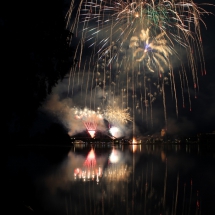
(203, 107)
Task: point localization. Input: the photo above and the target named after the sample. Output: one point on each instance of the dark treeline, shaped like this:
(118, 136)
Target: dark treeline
(35, 57)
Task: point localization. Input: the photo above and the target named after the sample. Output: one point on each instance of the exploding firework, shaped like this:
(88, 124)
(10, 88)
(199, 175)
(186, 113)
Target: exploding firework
(132, 52)
(115, 132)
(107, 22)
(155, 52)
(90, 119)
(117, 115)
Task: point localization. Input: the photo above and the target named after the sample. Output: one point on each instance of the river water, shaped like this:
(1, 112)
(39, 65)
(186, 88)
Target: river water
(105, 179)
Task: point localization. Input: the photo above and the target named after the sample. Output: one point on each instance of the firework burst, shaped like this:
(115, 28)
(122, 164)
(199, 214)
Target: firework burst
(107, 23)
(117, 115)
(90, 119)
(121, 42)
(154, 51)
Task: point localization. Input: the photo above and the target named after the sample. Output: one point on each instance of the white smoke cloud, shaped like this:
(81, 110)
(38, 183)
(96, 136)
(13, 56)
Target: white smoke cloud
(64, 111)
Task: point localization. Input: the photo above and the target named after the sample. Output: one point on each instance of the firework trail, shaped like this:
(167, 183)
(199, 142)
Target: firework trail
(178, 20)
(122, 44)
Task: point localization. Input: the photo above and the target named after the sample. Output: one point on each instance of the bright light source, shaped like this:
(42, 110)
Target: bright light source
(114, 157)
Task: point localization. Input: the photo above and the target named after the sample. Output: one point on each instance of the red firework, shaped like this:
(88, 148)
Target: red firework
(90, 119)
(91, 127)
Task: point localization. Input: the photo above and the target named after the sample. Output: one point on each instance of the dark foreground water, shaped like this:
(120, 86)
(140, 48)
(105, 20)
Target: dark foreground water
(101, 179)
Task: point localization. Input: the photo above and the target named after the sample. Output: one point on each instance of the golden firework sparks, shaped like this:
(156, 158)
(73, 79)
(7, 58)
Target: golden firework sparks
(117, 115)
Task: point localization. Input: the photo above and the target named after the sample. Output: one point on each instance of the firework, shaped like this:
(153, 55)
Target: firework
(117, 115)
(121, 43)
(90, 119)
(154, 51)
(179, 20)
(115, 132)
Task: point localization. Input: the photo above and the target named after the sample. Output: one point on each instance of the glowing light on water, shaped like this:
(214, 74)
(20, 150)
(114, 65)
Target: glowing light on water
(90, 169)
(116, 170)
(134, 147)
(114, 156)
(134, 140)
(91, 159)
(120, 172)
(134, 144)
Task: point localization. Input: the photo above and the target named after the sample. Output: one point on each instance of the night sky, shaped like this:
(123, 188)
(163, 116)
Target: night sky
(36, 58)
(30, 39)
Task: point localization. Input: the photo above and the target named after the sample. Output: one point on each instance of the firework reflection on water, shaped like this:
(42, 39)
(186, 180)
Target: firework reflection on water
(125, 190)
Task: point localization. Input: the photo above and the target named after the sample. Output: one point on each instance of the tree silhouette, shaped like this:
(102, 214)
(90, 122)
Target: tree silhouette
(35, 56)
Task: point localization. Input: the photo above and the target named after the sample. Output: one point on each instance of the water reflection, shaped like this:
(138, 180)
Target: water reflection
(127, 179)
(133, 185)
(90, 170)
